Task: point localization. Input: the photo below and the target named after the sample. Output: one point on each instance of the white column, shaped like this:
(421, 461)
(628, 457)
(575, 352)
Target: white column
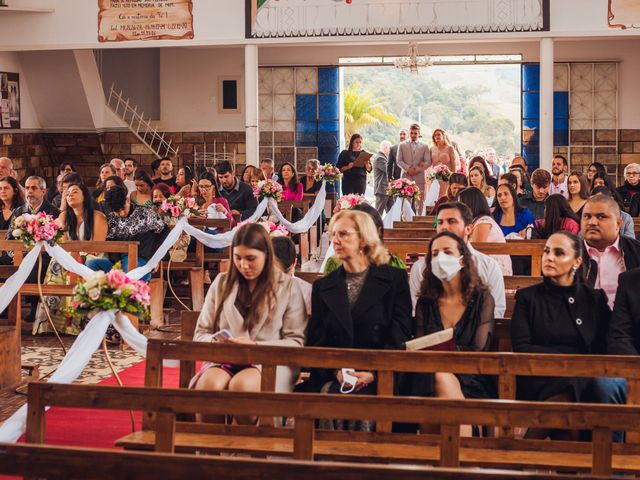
(546, 103)
(251, 103)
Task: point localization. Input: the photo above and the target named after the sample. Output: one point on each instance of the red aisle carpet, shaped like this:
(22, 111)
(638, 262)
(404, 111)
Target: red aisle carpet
(100, 428)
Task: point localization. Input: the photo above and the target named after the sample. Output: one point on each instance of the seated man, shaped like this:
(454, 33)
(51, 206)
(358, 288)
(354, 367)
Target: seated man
(237, 193)
(35, 190)
(534, 201)
(623, 337)
(456, 217)
(134, 223)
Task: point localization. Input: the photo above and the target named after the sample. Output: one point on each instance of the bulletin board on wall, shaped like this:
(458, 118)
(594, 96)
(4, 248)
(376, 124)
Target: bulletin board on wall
(9, 100)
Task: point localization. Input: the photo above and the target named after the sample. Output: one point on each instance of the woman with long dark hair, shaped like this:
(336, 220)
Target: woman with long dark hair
(253, 303)
(511, 217)
(292, 188)
(453, 296)
(81, 221)
(185, 181)
(485, 228)
(578, 190)
(354, 179)
(144, 187)
(594, 168)
(558, 217)
(12, 197)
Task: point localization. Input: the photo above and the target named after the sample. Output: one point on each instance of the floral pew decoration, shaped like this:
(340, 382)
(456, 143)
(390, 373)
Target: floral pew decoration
(405, 192)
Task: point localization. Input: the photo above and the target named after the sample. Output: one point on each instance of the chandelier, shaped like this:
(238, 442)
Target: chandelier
(412, 62)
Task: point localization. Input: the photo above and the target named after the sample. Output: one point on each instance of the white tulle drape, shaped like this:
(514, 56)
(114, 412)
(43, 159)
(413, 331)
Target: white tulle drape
(399, 211)
(303, 225)
(15, 281)
(77, 359)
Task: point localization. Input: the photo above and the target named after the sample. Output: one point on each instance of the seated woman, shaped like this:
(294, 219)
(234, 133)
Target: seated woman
(291, 187)
(247, 173)
(508, 214)
(479, 161)
(457, 181)
(333, 263)
(453, 296)
(560, 315)
(109, 183)
(558, 217)
(213, 205)
(81, 221)
(364, 304)
(185, 181)
(144, 187)
(285, 251)
(578, 190)
(478, 180)
(106, 170)
(12, 197)
(485, 228)
(309, 183)
(257, 304)
(160, 193)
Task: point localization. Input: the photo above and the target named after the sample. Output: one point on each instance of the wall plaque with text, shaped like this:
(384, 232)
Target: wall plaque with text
(122, 20)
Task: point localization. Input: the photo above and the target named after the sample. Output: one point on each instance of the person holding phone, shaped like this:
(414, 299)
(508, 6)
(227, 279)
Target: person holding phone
(258, 305)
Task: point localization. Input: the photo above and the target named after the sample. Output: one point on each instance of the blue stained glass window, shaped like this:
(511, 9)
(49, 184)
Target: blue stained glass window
(306, 107)
(328, 80)
(306, 127)
(531, 77)
(530, 105)
(328, 106)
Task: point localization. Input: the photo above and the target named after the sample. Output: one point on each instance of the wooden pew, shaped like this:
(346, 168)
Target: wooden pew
(528, 248)
(305, 442)
(223, 225)
(18, 459)
(286, 207)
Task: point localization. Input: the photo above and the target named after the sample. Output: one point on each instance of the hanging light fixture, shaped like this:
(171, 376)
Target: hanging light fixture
(413, 61)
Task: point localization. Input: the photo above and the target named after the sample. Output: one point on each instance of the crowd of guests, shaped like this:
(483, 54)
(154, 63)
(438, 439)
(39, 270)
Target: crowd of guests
(366, 298)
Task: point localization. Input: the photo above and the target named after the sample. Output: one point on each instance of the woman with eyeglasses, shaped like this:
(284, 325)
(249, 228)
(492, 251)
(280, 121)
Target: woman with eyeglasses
(363, 304)
(309, 183)
(212, 204)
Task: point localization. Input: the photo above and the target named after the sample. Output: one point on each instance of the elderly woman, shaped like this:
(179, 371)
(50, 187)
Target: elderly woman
(363, 304)
(309, 184)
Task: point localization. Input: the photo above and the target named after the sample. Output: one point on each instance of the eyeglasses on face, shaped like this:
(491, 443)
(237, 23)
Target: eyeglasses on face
(341, 234)
(205, 187)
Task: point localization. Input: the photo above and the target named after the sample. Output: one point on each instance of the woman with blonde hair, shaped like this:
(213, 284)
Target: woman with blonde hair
(363, 304)
(478, 179)
(254, 303)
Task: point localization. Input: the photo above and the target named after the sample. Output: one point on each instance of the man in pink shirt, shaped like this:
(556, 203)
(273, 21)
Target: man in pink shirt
(608, 254)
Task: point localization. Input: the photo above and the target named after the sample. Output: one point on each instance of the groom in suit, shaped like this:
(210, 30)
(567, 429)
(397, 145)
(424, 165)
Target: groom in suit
(414, 157)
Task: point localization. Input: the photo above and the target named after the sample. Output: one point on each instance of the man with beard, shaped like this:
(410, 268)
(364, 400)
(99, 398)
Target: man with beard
(414, 157)
(237, 193)
(559, 170)
(166, 174)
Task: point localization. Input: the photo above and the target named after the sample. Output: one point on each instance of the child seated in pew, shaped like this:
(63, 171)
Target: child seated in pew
(285, 251)
(453, 296)
(560, 315)
(257, 304)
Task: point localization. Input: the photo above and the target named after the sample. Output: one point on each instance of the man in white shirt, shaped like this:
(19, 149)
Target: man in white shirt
(456, 217)
(559, 171)
(118, 164)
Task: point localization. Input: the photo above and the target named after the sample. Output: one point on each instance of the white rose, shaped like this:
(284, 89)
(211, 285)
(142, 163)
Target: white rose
(17, 233)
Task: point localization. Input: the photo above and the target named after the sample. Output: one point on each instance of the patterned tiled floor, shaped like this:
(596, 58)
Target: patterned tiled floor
(46, 353)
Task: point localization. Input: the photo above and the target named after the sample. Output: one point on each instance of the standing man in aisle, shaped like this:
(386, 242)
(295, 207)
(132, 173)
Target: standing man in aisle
(414, 157)
(393, 170)
(380, 180)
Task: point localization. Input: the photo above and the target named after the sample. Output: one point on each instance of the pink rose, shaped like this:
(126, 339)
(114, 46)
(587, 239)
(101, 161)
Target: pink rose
(175, 211)
(117, 278)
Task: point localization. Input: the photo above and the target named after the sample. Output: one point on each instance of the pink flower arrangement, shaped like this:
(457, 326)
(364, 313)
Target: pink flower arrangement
(175, 207)
(273, 229)
(268, 189)
(439, 172)
(34, 228)
(347, 202)
(327, 172)
(404, 188)
(111, 291)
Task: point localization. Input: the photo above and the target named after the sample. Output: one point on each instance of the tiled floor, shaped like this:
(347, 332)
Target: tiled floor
(46, 353)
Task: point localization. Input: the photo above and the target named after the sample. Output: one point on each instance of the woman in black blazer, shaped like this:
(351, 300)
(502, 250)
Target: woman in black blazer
(363, 304)
(560, 315)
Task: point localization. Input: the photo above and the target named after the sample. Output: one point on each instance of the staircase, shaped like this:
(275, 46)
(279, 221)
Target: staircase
(139, 126)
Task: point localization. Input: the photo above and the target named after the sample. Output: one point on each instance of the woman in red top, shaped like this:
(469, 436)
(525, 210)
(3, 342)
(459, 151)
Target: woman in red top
(292, 189)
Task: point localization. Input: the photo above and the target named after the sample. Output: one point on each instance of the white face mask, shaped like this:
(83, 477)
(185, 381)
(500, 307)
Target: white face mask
(445, 267)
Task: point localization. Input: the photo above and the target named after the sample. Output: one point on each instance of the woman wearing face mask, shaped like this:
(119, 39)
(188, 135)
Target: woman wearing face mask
(363, 304)
(257, 304)
(453, 296)
(560, 315)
